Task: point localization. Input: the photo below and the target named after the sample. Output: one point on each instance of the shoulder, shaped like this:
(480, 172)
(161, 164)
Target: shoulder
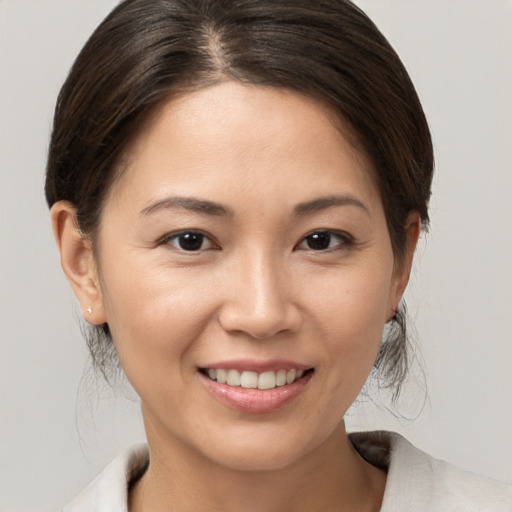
(419, 483)
(109, 491)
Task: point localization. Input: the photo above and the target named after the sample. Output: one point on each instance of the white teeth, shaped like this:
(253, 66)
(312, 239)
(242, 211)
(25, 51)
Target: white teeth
(267, 380)
(290, 376)
(281, 378)
(249, 380)
(222, 376)
(254, 380)
(233, 378)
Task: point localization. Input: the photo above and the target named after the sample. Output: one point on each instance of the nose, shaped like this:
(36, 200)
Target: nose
(260, 300)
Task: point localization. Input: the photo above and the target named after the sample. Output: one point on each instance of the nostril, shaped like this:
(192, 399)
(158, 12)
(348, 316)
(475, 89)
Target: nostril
(259, 325)
(254, 328)
(259, 301)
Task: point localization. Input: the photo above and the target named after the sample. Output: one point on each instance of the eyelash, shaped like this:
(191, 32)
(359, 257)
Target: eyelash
(344, 240)
(322, 236)
(168, 239)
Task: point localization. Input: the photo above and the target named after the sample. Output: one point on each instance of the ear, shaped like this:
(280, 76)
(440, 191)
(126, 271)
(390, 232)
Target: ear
(402, 269)
(77, 261)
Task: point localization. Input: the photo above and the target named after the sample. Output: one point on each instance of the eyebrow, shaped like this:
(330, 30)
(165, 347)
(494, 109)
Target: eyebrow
(323, 203)
(187, 203)
(210, 208)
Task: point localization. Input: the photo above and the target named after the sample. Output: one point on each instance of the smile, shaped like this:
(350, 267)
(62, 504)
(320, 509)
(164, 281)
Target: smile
(254, 380)
(254, 391)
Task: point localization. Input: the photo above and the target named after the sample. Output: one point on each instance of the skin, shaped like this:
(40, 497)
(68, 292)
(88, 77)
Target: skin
(256, 290)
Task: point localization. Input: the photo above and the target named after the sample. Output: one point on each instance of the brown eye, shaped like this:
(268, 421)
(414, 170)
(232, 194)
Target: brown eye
(319, 241)
(323, 240)
(190, 241)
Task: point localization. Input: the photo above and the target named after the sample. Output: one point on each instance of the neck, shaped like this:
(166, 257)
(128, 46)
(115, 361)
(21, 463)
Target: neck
(332, 478)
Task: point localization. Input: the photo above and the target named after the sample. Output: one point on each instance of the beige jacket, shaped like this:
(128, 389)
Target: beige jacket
(416, 482)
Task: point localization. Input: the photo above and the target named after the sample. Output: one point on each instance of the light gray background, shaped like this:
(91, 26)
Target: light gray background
(459, 55)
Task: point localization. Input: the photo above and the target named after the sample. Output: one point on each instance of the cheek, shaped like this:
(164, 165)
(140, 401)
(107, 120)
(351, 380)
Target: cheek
(355, 301)
(154, 314)
(352, 313)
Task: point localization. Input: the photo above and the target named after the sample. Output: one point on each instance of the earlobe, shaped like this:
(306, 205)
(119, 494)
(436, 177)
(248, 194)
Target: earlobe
(403, 267)
(77, 261)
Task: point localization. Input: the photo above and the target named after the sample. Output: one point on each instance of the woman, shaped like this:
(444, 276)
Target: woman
(236, 191)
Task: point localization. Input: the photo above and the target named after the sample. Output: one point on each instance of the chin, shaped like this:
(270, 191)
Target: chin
(256, 458)
(263, 447)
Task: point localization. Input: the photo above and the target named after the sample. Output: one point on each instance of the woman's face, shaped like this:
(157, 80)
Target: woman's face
(245, 240)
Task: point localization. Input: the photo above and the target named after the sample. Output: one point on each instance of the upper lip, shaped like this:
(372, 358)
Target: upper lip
(256, 366)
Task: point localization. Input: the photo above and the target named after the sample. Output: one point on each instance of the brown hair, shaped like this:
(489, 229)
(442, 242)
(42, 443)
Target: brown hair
(147, 50)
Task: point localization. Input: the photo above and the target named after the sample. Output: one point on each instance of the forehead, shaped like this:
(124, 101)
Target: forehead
(231, 134)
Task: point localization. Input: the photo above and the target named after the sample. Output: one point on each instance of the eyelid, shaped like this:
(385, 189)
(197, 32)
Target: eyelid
(347, 240)
(166, 239)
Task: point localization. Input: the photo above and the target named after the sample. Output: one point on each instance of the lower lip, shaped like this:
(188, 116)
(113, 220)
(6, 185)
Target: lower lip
(256, 400)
